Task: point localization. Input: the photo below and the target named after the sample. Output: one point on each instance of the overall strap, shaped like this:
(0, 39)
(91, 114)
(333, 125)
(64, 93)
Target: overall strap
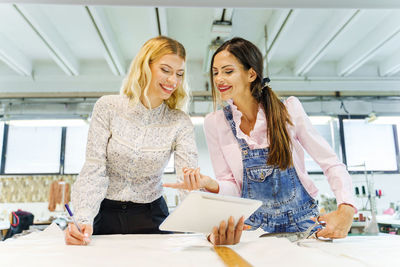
(229, 118)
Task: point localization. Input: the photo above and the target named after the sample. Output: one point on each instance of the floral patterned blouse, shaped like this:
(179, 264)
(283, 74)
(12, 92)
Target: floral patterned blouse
(127, 150)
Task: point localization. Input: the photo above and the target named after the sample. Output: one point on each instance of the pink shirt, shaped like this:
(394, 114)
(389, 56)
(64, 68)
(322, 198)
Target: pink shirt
(227, 159)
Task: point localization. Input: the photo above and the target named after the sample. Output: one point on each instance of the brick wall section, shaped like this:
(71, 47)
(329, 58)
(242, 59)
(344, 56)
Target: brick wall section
(33, 188)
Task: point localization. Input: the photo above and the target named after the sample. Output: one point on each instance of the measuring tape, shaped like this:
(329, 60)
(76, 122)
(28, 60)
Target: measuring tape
(231, 258)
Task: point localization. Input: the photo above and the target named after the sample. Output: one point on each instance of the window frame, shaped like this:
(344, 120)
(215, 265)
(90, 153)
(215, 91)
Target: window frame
(4, 156)
(340, 140)
(61, 171)
(343, 146)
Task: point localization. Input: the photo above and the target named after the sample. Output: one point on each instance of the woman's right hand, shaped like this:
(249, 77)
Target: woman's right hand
(227, 235)
(194, 180)
(74, 237)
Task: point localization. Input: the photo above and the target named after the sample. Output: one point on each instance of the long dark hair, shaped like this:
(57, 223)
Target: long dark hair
(280, 153)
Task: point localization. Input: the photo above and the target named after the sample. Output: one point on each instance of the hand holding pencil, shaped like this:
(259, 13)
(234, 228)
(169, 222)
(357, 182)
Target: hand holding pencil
(77, 234)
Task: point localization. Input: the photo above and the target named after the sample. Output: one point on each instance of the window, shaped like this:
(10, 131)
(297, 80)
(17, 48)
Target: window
(328, 128)
(371, 144)
(170, 168)
(33, 149)
(391, 120)
(75, 148)
(1, 138)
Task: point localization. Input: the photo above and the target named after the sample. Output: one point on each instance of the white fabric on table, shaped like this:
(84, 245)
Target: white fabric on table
(47, 248)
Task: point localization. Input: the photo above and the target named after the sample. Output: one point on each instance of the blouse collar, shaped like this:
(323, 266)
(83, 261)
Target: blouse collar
(259, 132)
(145, 115)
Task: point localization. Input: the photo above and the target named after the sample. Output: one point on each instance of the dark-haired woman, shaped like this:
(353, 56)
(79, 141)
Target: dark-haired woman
(256, 147)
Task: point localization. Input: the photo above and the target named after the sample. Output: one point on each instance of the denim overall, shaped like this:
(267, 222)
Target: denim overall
(287, 206)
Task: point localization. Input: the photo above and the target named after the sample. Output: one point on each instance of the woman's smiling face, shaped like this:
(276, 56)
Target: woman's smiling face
(166, 76)
(229, 76)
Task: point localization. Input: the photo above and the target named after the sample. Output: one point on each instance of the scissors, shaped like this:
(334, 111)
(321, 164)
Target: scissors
(298, 236)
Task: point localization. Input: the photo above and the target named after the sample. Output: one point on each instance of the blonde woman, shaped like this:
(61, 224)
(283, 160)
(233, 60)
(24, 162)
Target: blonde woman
(131, 137)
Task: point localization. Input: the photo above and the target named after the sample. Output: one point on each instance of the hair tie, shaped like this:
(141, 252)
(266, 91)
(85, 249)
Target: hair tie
(265, 81)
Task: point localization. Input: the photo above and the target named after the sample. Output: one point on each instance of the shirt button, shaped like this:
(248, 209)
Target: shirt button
(124, 206)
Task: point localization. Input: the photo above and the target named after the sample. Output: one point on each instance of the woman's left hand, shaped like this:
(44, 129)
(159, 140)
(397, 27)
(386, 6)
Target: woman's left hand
(227, 234)
(338, 222)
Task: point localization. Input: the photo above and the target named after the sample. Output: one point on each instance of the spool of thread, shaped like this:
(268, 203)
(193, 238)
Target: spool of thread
(363, 190)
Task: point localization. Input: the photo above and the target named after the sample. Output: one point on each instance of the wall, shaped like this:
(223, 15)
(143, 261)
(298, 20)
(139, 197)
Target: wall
(30, 193)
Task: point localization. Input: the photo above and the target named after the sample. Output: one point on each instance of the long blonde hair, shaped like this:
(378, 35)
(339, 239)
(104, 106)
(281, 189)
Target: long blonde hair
(137, 81)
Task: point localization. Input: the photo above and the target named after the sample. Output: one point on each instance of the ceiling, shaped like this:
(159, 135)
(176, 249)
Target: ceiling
(73, 49)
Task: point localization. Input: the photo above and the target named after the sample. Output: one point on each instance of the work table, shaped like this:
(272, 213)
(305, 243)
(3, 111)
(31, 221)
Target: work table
(47, 248)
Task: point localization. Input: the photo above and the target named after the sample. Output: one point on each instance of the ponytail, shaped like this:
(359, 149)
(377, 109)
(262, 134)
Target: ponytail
(280, 151)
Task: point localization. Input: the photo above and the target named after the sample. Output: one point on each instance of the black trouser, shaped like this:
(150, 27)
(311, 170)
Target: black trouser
(116, 217)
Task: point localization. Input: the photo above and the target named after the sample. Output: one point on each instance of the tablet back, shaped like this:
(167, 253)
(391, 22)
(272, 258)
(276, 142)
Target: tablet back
(201, 211)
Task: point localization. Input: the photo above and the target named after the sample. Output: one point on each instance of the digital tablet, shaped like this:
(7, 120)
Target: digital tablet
(200, 211)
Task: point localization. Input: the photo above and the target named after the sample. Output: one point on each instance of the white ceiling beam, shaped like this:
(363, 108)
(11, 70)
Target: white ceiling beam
(52, 40)
(277, 26)
(357, 4)
(336, 25)
(14, 58)
(110, 83)
(112, 51)
(370, 45)
(390, 66)
(61, 84)
(333, 84)
(274, 23)
(162, 17)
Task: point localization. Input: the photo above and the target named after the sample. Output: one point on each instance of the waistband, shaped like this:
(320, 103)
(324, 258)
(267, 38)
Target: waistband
(115, 204)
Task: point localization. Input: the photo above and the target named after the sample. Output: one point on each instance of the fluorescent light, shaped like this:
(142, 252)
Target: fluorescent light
(48, 123)
(197, 120)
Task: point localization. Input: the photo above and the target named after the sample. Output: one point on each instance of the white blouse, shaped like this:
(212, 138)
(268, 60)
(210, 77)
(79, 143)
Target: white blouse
(127, 150)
